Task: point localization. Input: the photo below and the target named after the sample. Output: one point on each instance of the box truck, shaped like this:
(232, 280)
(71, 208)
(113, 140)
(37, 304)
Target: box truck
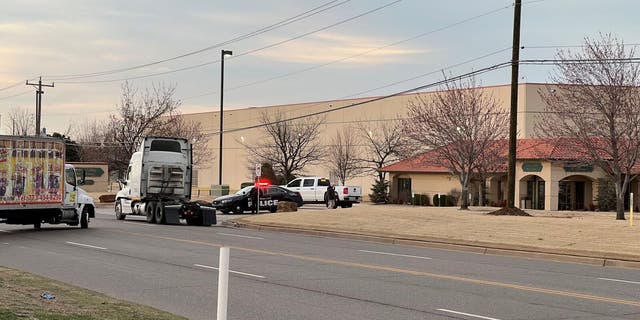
(37, 186)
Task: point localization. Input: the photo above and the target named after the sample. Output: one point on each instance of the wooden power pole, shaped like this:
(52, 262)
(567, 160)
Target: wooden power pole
(513, 115)
(39, 93)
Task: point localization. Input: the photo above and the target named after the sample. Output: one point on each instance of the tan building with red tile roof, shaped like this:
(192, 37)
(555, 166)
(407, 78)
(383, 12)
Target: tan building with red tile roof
(549, 176)
(535, 189)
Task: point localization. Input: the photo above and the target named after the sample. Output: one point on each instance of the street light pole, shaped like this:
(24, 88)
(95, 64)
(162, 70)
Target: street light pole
(224, 52)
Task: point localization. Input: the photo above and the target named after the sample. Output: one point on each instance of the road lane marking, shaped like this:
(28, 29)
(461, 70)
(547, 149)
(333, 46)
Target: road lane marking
(237, 272)
(85, 245)
(5, 231)
(141, 223)
(618, 280)
(238, 235)
(468, 314)
(395, 254)
(398, 270)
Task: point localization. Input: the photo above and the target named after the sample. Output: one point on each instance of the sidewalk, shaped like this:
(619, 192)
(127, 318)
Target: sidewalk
(585, 237)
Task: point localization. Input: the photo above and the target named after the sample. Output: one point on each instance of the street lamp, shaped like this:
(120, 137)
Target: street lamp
(224, 52)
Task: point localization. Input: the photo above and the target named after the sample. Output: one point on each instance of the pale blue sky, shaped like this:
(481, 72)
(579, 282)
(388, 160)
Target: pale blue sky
(54, 38)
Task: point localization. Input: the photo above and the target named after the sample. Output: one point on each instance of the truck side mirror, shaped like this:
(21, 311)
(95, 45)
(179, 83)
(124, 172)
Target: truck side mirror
(83, 179)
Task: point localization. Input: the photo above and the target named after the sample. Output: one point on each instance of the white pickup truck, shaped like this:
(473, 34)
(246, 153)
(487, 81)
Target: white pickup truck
(314, 190)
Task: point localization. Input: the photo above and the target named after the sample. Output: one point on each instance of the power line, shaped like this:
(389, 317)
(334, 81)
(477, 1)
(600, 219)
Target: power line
(451, 25)
(244, 53)
(309, 13)
(434, 84)
(15, 95)
(402, 81)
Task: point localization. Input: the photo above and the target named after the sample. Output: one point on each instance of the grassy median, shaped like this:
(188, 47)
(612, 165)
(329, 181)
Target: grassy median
(20, 299)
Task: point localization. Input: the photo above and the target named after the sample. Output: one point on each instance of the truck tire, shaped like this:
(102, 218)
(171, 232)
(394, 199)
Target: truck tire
(158, 212)
(118, 209)
(84, 218)
(148, 209)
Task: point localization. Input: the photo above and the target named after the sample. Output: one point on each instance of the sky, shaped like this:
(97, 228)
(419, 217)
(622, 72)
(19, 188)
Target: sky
(338, 49)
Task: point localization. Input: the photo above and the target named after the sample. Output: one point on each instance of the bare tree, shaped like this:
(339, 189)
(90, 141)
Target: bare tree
(342, 156)
(596, 108)
(177, 126)
(148, 112)
(461, 123)
(288, 145)
(384, 143)
(21, 121)
(91, 136)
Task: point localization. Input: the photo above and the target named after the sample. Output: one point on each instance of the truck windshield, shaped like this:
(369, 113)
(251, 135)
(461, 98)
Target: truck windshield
(166, 145)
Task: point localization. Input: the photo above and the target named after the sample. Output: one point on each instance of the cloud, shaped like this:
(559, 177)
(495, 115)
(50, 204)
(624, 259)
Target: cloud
(328, 47)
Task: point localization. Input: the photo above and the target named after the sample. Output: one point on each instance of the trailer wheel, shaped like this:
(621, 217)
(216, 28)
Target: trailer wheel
(158, 212)
(84, 218)
(37, 224)
(148, 209)
(118, 209)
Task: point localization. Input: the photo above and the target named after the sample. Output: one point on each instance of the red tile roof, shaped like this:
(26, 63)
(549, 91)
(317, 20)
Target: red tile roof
(527, 149)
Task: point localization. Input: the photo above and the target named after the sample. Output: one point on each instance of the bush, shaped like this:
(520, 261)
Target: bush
(440, 200)
(453, 197)
(606, 195)
(424, 199)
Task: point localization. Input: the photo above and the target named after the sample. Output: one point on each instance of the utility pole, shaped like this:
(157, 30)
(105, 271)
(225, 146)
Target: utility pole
(39, 93)
(513, 115)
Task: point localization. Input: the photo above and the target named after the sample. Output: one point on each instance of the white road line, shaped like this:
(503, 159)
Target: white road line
(6, 231)
(85, 245)
(238, 235)
(395, 254)
(618, 280)
(141, 223)
(467, 314)
(237, 272)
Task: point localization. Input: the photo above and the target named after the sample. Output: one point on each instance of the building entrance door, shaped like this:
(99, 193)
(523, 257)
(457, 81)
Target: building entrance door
(404, 190)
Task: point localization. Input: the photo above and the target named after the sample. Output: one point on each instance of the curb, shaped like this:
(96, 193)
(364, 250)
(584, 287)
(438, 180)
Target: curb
(529, 252)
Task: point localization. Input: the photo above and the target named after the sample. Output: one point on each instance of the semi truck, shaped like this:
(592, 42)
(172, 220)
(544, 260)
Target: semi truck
(36, 185)
(158, 185)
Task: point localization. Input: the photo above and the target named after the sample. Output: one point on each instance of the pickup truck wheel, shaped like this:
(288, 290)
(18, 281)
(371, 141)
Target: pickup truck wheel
(349, 204)
(148, 209)
(158, 212)
(84, 218)
(238, 209)
(118, 209)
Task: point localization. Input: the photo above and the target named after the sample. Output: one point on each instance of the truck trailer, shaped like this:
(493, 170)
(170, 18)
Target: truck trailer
(37, 186)
(158, 185)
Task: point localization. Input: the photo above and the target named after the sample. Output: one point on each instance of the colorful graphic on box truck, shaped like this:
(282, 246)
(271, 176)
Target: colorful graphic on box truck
(31, 171)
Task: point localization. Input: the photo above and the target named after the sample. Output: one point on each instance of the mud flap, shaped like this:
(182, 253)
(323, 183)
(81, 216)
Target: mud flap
(208, 215)
(172, 213)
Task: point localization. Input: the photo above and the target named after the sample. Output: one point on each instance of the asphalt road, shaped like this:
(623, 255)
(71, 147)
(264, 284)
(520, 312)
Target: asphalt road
(288, 276)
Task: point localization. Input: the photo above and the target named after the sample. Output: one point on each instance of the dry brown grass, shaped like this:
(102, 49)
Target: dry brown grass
(555, 230)
(20, 299)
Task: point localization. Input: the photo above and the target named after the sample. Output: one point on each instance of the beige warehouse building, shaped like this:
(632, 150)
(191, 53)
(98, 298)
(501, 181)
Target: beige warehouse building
(236, 169)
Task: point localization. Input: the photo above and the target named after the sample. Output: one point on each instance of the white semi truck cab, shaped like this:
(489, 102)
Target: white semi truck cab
(158, 184)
